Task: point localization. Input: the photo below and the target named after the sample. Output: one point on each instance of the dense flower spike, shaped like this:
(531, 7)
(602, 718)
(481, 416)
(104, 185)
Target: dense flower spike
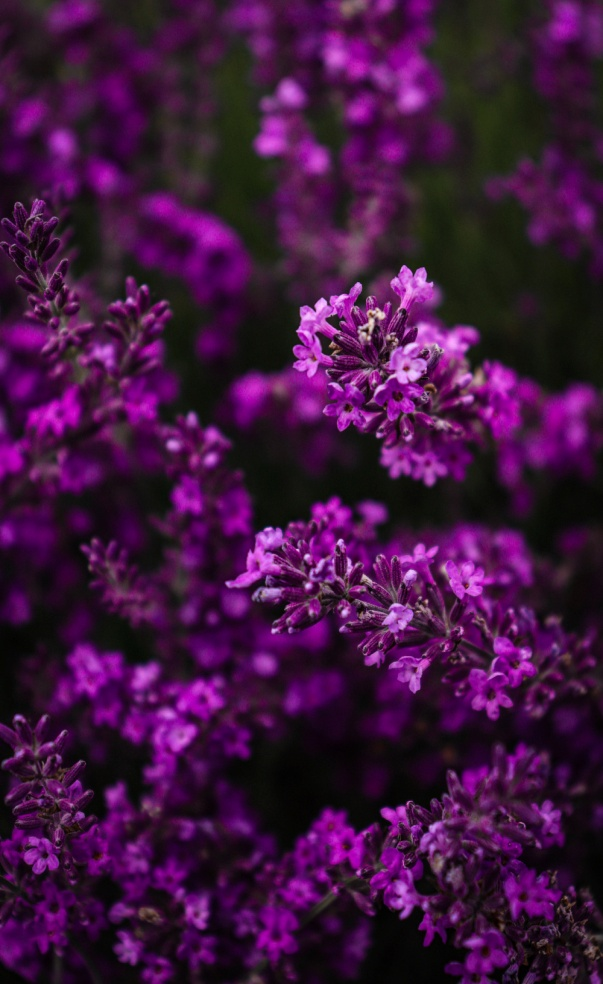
(459, 862)
(53, 304)
(405, 378)
(53, 851)
(445, 615)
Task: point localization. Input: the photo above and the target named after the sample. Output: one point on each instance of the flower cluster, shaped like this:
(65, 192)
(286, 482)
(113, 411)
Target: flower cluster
(406, 379)
(459, 861)
(423, 609)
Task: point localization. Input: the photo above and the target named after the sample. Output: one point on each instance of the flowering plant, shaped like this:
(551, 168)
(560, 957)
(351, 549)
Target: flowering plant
(435, 635)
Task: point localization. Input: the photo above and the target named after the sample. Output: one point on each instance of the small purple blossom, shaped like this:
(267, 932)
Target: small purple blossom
(406, 365)
(401, 895)
(489, 692)
(515, 663)
(128, 950)
(412, 288)
(348, 400)
(394, 396)
(398, 618)
(531, 893)
(41, 855)
(260, 560)
(309, 354)
(276, 937)
(411, 671)
(465, 580)
(487, 952)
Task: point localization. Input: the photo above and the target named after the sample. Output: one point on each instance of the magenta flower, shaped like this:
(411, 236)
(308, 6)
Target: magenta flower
(342, 304)
(426, 467)
(467, 580)
(398, 617)
(401, 895)
(276, 938)
(395, 396)
(341, 843)
(260, 560)
(411, 671)
(487, 952)
(41, 854)
(310, 354)
(314, 319)
(531, 894)
(406, 365)
(348, 400)
(412, 288)
(514, 663)
(129, 949)
(196, 910)
(392, 861)
(489, 692)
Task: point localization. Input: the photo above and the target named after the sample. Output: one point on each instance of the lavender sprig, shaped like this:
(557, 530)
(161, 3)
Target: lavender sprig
(48, 799)
(52, 302)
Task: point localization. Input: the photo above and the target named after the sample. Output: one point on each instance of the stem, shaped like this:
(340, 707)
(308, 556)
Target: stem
(477, 649)
(320, 907)
(57, 968)
(92, 972)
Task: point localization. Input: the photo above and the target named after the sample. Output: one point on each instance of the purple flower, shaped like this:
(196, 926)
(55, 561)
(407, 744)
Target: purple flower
(309, 354)
(406, 365)
(514, 663)
(487, 951)
(392, 861)
(529, 893)
(467, 976)
(348, 400)
(41, 854)
(394, 815)
(260, 560)
(411, 671)
(489, 692)
(129, 949)
(395, 396)
(196, 910)
(467, 580)
(342, 304)
(412, 288)
(401, 895)
(276, 937)
(315, 319)
(551, 832)
(424, 466)
(341, 843)
(159, 970)
(54, 419)
(397, 619)
(432, 928)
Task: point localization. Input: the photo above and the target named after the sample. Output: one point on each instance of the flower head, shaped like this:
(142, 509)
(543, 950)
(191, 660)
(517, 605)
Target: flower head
(468, 579)
(41, 854)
